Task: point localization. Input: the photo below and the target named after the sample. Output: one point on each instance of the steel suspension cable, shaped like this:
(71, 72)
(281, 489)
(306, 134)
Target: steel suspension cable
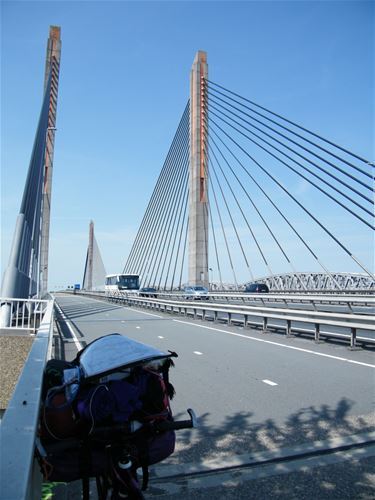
(257, 210)
(215, 245)
(157, 213)
(354, 155)
(296, 153)
(274, 205)
(184, 220)
(151, 227)
(178, 222)
(223, 231)
(168, 206)
(177, 203)
(157, 225)
(172, 200)
(358, 169)
(230, 215)
(184, 252)
(338, 202)
(329, 233)
(133, 256)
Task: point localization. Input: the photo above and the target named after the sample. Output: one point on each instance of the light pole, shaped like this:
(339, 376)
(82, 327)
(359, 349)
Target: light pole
(212, 277)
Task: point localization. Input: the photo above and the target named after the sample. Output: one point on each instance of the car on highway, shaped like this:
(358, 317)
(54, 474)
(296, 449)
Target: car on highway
(257, 288)
(148, 291)
(195, 292)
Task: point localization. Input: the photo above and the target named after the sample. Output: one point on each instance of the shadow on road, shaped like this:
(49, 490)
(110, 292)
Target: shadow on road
(239, 434)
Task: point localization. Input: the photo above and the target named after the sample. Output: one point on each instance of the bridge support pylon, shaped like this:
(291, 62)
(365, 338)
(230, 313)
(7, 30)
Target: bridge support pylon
(53, 66)
(94, 275)
(198, 175)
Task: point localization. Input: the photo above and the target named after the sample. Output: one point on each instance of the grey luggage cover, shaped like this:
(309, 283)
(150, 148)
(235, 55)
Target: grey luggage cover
(114, 352)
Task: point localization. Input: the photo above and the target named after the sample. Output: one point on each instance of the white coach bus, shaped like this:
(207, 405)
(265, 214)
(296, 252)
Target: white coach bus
(122, 282)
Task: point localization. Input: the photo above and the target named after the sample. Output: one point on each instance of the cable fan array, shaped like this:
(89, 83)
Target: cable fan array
(158, 252)
(278, 197)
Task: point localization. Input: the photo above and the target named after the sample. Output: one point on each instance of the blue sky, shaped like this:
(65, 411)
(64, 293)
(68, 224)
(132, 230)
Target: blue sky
(124, 83)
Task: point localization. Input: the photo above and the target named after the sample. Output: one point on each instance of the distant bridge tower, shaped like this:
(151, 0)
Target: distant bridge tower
(52, 63)
(198, 175)
(94, 275)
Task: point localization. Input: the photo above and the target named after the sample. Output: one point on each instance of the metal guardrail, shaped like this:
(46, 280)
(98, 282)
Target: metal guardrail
(286, 298)
(349, 300)
(23, 314)
(350, 321)
(19, 471)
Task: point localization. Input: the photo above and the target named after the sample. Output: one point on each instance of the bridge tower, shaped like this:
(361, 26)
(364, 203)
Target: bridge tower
(198, 175)
(94, 274)
(52, 63)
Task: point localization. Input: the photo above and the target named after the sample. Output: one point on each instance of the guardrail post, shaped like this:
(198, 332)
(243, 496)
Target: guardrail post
(194, 313)
(353, 338)
(245, 320)
(317, 332)
(215, 316)
(229, 318)
(288, 328)
(265, 322)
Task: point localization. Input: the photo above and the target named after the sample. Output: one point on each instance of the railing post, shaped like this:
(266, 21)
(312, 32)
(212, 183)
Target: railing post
(265, 322)
(288, 328)
(353, 338)
(317, 332)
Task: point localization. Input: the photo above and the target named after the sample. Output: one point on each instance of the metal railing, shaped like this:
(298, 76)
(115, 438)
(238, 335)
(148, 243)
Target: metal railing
(248, 315)
(289, 317)
(19, 471)
(23, 314)
(288, 297)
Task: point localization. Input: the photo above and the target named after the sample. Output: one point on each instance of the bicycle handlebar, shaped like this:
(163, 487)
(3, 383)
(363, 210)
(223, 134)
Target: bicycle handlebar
(167, 425)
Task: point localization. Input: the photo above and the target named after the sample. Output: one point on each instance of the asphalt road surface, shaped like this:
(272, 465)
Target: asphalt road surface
(253, 393)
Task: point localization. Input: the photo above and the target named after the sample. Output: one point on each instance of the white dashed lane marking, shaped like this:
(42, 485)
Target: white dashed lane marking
(160, 337)
(269, 382)
(278, 344)
(198, 353)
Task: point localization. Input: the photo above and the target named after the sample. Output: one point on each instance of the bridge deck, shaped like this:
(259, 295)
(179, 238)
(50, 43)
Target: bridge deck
(253, 393)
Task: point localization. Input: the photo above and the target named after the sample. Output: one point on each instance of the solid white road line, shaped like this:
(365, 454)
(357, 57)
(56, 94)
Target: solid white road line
(79, 346)
(338, 358)
(269, 382)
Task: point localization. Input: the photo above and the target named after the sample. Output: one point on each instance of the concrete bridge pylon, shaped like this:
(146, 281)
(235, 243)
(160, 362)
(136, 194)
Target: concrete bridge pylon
(198, 175)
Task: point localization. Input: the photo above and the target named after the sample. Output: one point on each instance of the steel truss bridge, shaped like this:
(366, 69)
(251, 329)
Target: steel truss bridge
(319, 281)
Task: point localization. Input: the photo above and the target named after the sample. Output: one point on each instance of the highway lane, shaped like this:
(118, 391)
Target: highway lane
(251, 391)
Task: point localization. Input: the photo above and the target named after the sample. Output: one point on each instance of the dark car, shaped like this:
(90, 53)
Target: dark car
(257, 288)
(148, 292)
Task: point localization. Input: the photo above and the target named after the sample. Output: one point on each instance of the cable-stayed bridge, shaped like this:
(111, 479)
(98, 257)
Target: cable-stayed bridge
(239, 199)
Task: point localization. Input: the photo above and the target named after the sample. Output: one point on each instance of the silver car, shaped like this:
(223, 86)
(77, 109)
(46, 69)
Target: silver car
(196, 292)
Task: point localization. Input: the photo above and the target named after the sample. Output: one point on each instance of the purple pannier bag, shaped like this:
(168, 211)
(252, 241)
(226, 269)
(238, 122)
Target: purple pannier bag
(116, 400)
